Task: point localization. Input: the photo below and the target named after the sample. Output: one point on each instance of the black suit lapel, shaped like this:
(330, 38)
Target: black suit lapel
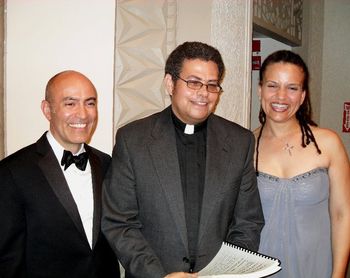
(97, 191)
(53, 173)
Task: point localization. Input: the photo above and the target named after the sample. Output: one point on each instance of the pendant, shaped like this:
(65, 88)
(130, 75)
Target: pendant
(288, 148)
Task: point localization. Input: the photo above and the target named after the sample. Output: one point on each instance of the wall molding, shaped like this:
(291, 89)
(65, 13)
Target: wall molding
(281, 20)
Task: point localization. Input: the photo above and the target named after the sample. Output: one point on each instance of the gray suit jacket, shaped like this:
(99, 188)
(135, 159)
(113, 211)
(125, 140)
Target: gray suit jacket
(143, 207)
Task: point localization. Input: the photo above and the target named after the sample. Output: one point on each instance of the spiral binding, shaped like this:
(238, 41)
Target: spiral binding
(251, 252)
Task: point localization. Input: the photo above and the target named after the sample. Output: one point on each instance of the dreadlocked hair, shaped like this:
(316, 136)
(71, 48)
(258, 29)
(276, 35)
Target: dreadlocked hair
(304, 112)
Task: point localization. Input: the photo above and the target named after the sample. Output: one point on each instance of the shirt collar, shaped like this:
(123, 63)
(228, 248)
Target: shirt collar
(187, 128)
(57, 148)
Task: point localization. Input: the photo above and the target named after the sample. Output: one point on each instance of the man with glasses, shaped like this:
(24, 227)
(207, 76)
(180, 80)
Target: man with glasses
(182, 181)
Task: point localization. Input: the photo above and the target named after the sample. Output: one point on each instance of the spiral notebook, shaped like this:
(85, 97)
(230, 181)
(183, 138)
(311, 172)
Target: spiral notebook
(233, 261)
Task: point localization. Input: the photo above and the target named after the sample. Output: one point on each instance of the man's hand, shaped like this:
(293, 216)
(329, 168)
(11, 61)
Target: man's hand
(181, 275)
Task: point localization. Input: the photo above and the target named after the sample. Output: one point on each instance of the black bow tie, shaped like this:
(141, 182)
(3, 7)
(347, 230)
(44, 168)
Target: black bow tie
(79, 160)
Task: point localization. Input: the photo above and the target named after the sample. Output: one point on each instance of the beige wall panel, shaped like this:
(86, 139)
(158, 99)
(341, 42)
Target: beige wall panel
(231, 33)
(193, 21)
(145, 33)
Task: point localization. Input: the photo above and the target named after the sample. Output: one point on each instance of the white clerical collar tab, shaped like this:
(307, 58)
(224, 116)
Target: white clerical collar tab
(189, 129)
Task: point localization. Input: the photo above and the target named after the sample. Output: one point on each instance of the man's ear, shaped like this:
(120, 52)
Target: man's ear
(169, 84)
(46, 109)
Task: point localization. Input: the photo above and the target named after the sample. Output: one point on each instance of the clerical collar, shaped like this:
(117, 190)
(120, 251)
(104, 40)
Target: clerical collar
(187, 128)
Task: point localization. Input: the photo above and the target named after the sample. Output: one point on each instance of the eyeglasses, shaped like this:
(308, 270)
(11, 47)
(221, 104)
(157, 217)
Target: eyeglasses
(197, 85)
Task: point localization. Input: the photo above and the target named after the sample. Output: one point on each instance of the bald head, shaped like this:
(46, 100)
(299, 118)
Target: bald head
(64, 77)
(70, 106)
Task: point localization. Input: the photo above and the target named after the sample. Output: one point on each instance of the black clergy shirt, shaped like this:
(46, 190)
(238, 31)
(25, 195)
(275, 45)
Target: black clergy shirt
(191, 149)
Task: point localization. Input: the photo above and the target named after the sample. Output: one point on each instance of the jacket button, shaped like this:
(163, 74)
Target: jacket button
(186, 260)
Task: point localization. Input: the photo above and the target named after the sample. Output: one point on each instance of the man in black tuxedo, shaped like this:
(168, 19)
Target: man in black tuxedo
(50, 200)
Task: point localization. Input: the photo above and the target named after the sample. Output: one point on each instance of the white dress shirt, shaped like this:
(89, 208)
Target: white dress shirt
(80, 185)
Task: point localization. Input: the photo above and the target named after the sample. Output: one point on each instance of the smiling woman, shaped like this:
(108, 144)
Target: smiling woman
(304, 187)
(282, 91)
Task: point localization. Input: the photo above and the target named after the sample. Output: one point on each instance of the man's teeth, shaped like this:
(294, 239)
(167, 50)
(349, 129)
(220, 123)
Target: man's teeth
(201, 103)
(77, 125)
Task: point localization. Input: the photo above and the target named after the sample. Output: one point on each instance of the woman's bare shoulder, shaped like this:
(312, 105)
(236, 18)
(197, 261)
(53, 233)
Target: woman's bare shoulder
(327, 139)
(325, 134)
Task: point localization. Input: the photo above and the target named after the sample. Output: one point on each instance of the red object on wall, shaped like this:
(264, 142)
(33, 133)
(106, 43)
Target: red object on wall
(256, 46)
(256, 62)
(256, 58)
(346, 117)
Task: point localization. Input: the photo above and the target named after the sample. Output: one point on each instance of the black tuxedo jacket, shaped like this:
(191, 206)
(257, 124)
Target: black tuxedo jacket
(41, 233)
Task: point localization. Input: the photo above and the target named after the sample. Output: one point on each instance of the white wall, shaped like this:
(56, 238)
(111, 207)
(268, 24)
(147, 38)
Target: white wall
(336, 66)
(44, 37)
(200, 20)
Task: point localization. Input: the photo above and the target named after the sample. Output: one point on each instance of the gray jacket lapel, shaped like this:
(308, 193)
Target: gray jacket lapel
(164, 154)
(217, 159)
(53, 173)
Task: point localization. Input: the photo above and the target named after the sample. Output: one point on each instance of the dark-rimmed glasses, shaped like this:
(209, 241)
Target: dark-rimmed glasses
(197, 85)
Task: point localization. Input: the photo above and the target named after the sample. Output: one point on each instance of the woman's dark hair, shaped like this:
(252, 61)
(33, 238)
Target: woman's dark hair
(304, 112)
(191, 51)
